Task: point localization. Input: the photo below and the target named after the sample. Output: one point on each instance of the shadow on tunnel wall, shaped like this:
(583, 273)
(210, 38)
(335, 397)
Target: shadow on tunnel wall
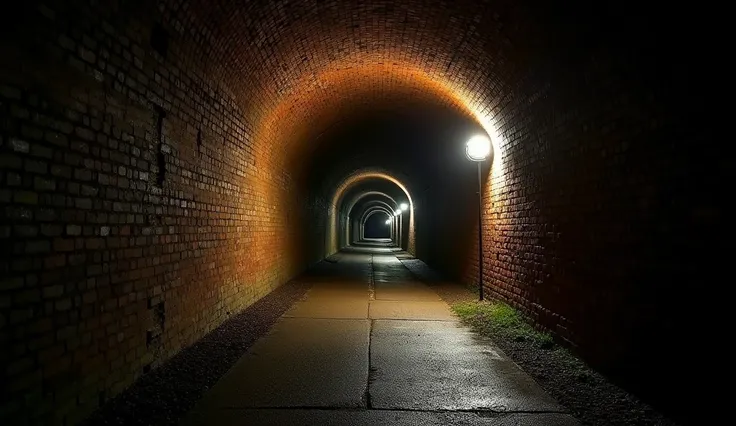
(447, 217)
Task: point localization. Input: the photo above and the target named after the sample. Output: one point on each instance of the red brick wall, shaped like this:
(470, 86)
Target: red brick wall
(592, 225)
(127, 234)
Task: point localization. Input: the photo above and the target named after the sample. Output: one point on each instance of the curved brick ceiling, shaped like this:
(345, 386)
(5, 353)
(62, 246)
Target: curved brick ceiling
(300, 66)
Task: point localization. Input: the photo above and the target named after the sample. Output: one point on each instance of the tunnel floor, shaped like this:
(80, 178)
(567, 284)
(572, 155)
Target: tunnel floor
(370, 344)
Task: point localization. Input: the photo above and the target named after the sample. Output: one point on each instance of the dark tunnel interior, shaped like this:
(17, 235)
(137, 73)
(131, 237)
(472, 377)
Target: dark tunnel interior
(376, 227)
(168, 165)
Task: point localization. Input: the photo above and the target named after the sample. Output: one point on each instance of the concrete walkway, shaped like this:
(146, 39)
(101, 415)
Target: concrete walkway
(369, 345)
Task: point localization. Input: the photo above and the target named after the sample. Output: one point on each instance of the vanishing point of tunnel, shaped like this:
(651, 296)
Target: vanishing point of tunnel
(359, 212)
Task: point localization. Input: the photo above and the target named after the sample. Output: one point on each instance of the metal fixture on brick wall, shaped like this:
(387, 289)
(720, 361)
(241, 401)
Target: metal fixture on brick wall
(477, 149)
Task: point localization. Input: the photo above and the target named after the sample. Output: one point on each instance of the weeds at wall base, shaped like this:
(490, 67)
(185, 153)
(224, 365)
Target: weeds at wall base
(499, 319)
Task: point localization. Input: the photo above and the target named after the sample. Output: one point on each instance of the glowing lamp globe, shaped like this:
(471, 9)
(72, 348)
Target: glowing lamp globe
(478, 148)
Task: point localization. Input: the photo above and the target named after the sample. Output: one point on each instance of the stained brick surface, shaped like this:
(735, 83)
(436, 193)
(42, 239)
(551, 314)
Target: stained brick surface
(154, 159)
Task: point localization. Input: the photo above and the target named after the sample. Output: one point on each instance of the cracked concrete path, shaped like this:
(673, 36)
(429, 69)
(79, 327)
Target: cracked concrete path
(368, 344)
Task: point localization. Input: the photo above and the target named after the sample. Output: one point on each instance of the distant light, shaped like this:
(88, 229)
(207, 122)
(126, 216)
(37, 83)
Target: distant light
(388, 221)
(403, 207)
(478, 148)
(397, 212)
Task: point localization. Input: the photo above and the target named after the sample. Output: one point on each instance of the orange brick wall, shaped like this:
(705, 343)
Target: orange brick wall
(138, 213)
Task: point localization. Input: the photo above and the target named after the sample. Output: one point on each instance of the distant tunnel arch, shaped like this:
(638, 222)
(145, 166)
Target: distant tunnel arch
(337, 200)
(369, 215)
(353, 226)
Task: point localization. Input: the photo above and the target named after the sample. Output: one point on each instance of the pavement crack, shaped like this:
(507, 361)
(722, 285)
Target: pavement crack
(371, 371)
(372, 282)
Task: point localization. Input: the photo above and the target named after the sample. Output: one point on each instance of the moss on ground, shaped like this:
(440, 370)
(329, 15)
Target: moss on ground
(497, 318)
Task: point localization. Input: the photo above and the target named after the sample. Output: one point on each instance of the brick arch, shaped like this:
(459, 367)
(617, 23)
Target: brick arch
(370, 206)
(369, 209)
(352, 92)
(353, 220)
(351, 205)
(333, 209)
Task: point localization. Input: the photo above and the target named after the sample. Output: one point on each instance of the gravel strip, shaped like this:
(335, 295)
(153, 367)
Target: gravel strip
(166, 394)
(588, 395)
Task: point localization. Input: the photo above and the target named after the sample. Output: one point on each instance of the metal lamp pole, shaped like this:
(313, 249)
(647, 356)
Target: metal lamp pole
(477, 149)
(480, 232)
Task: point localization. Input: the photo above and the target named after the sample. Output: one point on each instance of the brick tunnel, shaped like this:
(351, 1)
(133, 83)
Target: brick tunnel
(169, 166)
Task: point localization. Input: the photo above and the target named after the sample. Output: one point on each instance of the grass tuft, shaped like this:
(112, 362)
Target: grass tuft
(497, 318)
